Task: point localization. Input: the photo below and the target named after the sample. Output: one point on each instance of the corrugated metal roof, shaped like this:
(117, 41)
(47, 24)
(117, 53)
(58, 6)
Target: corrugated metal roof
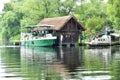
(59, 22)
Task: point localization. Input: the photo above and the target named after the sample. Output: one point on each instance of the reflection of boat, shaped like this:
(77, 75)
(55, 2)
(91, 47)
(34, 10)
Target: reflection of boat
(99, 53)
(108, 37)
(96, 64)
(38, 35)
(39, 61)
(38, 54)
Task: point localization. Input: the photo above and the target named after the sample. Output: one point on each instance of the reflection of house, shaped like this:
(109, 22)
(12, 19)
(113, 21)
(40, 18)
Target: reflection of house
(68, 28)
(70, 57)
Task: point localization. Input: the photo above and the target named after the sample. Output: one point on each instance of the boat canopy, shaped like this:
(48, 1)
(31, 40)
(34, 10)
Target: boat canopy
(107, 32)
(39, 27)
(28, 27)
(43, 25)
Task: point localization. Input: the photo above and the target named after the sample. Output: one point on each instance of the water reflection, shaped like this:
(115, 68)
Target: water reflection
(38, 54)
(38, 63)
(97, 58)
(99, 61)
(10, 63)
(59, 63)
(115, 64)
(70, 58)
(96, 64)
(85, 64)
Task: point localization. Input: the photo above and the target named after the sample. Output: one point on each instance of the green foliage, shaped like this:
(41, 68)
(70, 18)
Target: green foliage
(93, 26)
(35, 10)
(16, 37)
(113, 11)
(11, 25)
(66, 7)
(10, 22)
(8, 7)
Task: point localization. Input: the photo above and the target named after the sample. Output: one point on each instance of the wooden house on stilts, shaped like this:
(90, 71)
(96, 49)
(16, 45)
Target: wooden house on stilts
(67, 29)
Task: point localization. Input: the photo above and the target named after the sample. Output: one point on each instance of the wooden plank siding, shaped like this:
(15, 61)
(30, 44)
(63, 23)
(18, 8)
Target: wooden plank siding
(70, 32)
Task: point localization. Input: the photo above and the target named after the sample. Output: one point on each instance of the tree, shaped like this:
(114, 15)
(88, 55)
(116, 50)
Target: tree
(113, 11)
(35, 10)
(66, 7)
(10, 21)
(11, 24)
(93, 15)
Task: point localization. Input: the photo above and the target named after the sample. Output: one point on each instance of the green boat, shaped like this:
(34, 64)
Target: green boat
(38, 35)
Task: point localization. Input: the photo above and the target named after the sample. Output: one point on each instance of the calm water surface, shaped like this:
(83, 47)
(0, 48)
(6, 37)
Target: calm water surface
(59, 63)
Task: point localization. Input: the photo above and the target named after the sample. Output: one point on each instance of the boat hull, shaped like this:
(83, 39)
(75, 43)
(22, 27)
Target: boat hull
(100, 44)
(104, 44)
(37, 42)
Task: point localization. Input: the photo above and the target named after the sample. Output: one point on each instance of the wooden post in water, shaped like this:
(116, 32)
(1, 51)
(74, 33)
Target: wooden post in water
(61, 39)
(119, 41)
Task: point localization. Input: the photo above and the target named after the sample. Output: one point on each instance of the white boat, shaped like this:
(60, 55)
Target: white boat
(109, 37)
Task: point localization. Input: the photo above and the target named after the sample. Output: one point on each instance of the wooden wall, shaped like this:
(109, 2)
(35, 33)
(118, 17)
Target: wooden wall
(70, 32)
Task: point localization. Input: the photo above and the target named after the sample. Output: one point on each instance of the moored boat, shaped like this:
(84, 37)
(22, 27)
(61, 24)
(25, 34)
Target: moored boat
(107, 38)
(38, 35)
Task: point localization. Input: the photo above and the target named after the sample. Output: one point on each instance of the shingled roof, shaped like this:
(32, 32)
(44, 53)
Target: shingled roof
(59, 22)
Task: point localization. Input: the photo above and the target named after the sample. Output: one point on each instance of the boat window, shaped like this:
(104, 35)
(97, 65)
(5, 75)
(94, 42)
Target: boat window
(34, 33)
(40, 33)
(46, 32)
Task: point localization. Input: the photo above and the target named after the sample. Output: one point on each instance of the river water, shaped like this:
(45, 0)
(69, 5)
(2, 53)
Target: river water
(59, 63)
